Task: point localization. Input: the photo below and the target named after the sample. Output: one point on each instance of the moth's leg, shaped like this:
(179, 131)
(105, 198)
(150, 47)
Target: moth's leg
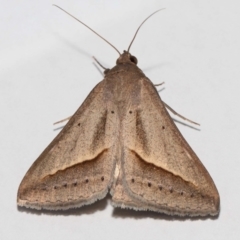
(159, 84)
(63, 120)
(105, 69)
(174, 112)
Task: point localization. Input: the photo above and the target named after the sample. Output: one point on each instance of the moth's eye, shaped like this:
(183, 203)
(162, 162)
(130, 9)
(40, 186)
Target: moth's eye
(133, 59)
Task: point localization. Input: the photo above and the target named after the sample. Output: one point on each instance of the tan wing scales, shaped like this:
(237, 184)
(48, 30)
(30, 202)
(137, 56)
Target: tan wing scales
(160, 170)
(77, 167)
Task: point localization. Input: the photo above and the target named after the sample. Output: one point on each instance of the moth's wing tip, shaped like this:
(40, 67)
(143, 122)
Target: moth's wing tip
(20, 202)
(25, 204)
(22, 191)
(216, 205)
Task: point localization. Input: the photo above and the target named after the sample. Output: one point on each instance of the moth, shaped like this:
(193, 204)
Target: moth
(121, 140)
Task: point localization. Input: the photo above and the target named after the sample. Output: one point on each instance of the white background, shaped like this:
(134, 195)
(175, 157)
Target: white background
(46, 71)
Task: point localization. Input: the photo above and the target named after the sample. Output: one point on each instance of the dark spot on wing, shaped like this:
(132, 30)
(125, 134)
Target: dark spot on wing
(99, 132)
(141, 132)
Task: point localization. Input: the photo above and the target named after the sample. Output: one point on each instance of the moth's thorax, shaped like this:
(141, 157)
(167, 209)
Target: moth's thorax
(123, 81)
(126, 66)
(126, 70)
(122, 88)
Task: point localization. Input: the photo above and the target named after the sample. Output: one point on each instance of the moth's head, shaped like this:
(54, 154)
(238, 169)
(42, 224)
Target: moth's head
(126, 57)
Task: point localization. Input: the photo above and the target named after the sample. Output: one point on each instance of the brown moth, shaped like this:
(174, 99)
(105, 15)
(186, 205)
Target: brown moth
(122, 140)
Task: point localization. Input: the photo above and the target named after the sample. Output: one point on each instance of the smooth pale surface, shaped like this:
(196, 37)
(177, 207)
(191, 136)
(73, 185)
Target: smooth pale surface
(47, 71)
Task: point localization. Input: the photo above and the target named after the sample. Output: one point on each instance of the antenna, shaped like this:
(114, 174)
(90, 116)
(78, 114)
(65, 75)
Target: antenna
(87, 27)
(140, 27)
